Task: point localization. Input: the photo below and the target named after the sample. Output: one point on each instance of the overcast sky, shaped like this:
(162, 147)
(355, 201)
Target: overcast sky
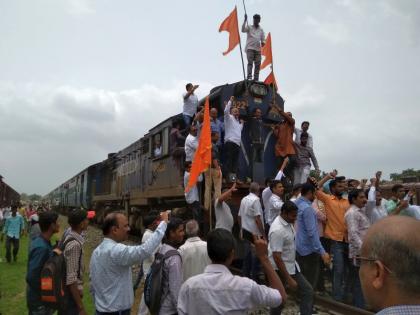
(82, 78)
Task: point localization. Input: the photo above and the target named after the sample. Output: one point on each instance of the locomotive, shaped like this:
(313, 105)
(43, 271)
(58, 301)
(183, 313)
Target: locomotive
(137, 180)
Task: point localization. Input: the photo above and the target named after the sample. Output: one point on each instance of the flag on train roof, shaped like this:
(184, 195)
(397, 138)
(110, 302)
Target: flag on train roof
(202, 157)
(230, 24)
(267, 52)
(270, 80)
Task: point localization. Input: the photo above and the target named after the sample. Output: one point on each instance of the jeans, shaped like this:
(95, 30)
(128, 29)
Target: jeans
(187, 120)
(9, 242)
(231, 158)
(339, 252)
(251, 265)
(254, 58)
(305, 294)
(40, 310)
(358, 299)
(309, 266)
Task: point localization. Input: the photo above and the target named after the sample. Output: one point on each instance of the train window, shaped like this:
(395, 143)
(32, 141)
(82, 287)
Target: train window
(160, 143)
(145, 146)
(157, 145)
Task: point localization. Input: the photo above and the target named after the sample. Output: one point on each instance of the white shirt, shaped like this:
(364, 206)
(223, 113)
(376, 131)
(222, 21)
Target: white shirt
(218, 292)
(224, 218)
(190, 105)
(158, 151)
(233, 127)
(274, 206)
(110, 271)
(281, 238)
(192, 194)
(147, 262)
(310, 142)
(255, 35)
(194, 257)
(265, 196)
(249, 209)
(376, 212)
(191, 144)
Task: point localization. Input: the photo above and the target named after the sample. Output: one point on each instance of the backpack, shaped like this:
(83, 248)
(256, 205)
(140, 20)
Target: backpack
(153, 284)
(54, 292)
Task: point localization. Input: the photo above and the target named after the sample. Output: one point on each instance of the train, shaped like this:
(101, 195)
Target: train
(135, 180)
(8, 196)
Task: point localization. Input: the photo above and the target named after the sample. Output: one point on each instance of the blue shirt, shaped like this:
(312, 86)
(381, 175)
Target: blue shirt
(13, 226)
(401, 310)
(217, 126)
(39, 253)
(110, 270)
(307, 235)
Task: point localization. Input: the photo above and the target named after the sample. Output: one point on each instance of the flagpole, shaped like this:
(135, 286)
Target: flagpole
(243, 2)
(240, 48)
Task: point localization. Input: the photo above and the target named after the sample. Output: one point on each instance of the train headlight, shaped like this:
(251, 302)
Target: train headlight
(258, 90)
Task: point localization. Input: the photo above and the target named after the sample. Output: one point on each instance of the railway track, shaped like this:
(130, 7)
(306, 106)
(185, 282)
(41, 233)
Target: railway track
(325, 305)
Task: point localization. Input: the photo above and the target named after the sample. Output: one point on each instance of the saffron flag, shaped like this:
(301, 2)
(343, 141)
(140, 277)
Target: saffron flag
(267, 52)
(202, 157)
(230, 24)
(271, 80)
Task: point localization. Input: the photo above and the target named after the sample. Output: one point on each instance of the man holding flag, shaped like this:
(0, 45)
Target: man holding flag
(255, 40)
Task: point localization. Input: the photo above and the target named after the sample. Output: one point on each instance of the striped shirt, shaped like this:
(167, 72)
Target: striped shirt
(73, 254)
(401, 310)
(110, 270)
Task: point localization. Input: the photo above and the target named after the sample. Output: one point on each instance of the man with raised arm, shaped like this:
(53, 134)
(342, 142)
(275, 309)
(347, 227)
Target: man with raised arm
(335, 229)
(284, 147)
(254, 41)
(190, 104)
(111, 261)
(233, 132)
(217, 291)
(224, 218)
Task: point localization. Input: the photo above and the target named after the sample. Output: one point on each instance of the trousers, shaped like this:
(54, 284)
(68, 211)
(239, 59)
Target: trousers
(231, 158)
(216, 182)
(305, 294)
(254, 59)
(11, 241)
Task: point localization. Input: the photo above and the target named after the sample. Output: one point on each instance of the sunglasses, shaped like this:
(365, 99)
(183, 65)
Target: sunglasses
(360, 259)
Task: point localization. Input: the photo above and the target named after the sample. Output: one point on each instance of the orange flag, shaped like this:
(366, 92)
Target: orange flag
(270, 80)
(267, 52)
(202, 157)
(230, 24)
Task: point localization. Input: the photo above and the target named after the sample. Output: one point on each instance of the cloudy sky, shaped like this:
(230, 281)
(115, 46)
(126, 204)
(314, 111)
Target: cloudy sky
(82, 78)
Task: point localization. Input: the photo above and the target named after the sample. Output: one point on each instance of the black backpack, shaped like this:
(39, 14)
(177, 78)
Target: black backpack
(54, 292)
(153, 284)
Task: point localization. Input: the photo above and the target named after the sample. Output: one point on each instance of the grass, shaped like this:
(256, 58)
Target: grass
(12, 278)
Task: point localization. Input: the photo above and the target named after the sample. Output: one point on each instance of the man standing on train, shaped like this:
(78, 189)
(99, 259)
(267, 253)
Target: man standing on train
(254, 41)
(190, 104)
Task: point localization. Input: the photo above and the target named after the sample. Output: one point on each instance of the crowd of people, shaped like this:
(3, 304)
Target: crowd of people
(329, 226)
